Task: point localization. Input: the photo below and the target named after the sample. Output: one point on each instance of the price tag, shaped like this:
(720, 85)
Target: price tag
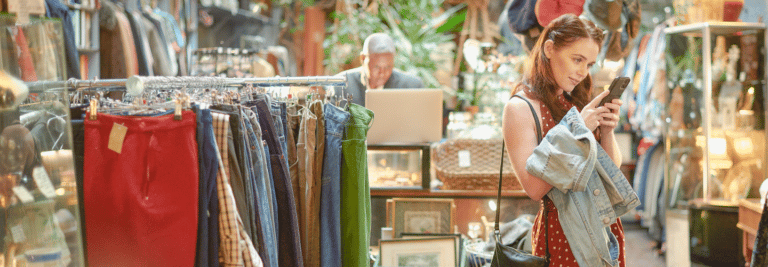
(18, 234)
(43, 182)
(116, 137)
(23, 194)
(464, 159)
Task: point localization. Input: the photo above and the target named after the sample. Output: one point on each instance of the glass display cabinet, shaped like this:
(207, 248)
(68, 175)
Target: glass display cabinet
(399, 166)
(715, 132)
(39, 215)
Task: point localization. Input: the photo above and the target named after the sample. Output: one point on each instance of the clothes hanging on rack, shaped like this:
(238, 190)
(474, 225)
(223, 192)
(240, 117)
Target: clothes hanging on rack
(116, 43)
(239, 199)
(141, 190)
(33, 51)
(355, 190)
(330, 214)
(55, 9)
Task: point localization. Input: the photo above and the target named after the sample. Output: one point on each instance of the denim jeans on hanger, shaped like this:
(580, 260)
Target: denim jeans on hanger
(289, 241)
(257, 235)
(277, 120)
(330, 197)
(268, 179)
(355, 190)
(208, 202)
(263, 191)
(271, 180)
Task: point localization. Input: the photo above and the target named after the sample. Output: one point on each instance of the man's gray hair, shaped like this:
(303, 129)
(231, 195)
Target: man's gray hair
(378, 43)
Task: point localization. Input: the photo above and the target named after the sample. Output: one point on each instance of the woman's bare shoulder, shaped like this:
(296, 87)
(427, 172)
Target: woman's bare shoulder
(516, 110)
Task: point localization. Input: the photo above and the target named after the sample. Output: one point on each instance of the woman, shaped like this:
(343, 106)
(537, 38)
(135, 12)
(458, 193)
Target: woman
(557, 79)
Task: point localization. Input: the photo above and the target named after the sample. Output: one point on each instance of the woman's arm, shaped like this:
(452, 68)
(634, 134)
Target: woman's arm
(519, 129)
(608, 123)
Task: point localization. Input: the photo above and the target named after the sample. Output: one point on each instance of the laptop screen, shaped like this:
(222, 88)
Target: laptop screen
(405, 116)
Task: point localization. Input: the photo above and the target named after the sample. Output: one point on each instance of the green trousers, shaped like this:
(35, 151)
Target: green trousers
(355, 190)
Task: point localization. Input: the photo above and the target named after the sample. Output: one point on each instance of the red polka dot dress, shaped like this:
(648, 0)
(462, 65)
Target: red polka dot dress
(559, 250)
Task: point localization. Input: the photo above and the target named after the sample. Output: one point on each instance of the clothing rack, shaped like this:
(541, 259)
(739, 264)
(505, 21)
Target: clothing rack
(137, 84)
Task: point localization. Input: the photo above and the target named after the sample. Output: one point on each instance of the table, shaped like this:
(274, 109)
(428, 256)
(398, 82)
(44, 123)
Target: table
(749, 219)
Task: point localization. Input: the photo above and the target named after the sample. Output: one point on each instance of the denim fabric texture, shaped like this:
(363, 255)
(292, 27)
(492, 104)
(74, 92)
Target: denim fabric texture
(267, 157)
(263, 191)
(355, 190)
(288, 234)
(330, 196)
(208, 202)
(252, 197)
(590, 190)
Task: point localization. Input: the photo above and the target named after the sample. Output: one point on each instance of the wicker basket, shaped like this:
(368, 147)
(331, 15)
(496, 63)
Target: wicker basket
(483, 171)
(694, 11)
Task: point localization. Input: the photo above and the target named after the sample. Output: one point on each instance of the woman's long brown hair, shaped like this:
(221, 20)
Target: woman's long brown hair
(563, 31)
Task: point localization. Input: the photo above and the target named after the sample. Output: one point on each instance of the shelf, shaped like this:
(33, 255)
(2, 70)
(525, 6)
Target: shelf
(446, 193)
(89, 9)
(716, 27)
(241, 15)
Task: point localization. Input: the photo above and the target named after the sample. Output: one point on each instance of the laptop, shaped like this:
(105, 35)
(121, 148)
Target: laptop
(405, 116)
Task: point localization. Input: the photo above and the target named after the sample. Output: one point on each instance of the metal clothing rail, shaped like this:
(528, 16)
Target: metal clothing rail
(137, 84)
(73, 84)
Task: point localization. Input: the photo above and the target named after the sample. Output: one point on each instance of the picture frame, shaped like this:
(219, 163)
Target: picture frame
(426, 252)
(422, 215)
(456, 237)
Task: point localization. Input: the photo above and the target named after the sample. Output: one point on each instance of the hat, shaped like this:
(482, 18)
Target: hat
(548, 10)
(522, 16)
(606, 14)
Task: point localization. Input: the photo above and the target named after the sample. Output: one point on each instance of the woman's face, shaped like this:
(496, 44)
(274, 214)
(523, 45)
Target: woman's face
(571, 63)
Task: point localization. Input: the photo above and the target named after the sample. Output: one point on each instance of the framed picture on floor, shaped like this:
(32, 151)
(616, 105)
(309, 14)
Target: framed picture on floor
(427, 252)
(422, 215)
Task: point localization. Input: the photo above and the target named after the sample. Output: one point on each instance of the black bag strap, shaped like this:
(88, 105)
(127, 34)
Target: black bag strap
(501, 172)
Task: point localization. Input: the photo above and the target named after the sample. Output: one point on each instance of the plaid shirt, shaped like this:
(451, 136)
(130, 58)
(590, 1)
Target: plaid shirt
(237, 249)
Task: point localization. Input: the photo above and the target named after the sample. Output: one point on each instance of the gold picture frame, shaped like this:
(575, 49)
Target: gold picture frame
(439, 251)
(422, 215)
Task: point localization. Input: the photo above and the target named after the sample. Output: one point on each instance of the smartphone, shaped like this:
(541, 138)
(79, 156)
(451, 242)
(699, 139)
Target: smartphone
(617, 88)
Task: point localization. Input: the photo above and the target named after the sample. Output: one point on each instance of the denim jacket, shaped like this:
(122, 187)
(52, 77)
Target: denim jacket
(591, 190)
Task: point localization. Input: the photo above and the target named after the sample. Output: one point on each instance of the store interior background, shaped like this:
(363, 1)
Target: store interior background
(313, 38)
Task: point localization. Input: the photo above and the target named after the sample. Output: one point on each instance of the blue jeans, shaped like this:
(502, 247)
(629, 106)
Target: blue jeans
(288, 235)
(330, 195)
(263, 191)
(208, 202)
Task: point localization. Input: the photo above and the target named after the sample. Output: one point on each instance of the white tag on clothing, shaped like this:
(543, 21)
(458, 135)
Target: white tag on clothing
(44, 182)
(23, 194)
(18, 234)
(464, 159)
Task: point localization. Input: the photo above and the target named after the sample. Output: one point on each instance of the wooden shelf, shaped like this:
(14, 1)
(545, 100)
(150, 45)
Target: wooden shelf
(446, 193)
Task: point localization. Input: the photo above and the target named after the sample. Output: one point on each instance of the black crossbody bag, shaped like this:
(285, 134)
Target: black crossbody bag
(506, 255)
